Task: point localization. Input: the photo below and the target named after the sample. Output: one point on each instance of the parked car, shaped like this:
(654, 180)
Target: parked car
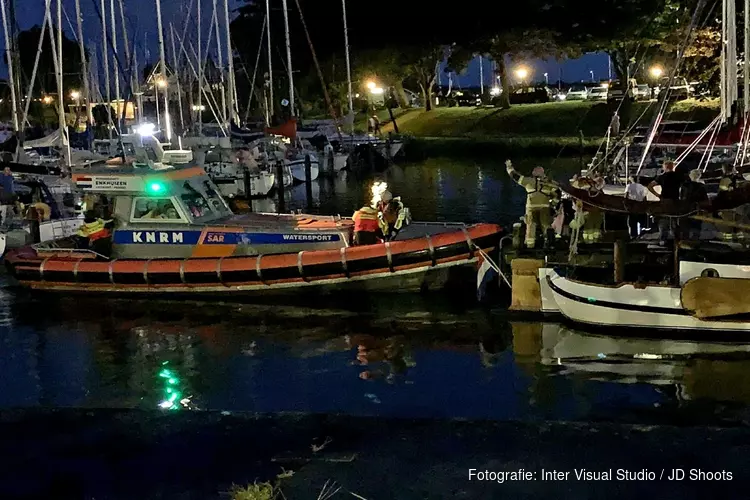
(679, 90)
(528, 95)
(464, 98)
(577, 93)
(643, 92)
(618, 90)
(597, 94)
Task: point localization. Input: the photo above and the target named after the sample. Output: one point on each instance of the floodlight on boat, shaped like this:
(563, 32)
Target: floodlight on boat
(377, 190)
(146, 129)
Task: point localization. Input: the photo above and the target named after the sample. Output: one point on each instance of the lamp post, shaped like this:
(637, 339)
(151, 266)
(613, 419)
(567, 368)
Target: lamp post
(546, 78)
(76, 96)
(591, 72)
(656, 72)
(522, 72)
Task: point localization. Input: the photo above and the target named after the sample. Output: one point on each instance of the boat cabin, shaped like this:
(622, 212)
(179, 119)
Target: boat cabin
(179, 213)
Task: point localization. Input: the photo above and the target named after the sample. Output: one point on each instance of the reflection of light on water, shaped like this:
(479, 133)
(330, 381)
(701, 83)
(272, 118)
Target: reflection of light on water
(172, 393)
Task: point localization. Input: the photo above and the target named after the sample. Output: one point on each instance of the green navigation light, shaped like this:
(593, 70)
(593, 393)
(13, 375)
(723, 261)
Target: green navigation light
(156, 188)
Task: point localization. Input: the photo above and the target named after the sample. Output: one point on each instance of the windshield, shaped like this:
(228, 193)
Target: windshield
(577, 88)
(202, 201)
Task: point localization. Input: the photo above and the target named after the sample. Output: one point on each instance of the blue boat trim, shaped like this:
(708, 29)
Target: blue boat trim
(130, 237)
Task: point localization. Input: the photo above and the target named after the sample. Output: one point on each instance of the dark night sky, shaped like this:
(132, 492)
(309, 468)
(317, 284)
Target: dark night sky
(141, 16)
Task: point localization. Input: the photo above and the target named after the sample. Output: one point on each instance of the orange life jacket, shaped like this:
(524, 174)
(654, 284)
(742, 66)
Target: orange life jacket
(366, 220)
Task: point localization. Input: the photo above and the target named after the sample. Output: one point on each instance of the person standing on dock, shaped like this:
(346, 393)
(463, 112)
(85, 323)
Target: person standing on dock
(540, 195)
(670, 181)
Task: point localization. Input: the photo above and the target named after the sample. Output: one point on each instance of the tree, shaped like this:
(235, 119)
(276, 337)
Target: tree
(46, 82)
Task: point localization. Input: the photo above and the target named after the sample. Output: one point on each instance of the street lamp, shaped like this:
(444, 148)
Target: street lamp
(47, 99)
(546, 78)
(592, 74)
(75, 95)
(522, 73)
(656, 72)
(371, 85)
(162, 83)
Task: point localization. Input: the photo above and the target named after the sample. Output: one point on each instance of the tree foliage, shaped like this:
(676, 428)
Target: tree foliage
(46, 83)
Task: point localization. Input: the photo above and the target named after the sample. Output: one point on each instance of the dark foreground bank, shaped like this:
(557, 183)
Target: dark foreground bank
(133, 454)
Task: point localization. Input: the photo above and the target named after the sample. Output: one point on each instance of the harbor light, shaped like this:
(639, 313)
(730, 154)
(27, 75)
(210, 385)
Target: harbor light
(656, 71)
(377, 91)
(198, 108)
(371, 85)
(75, 95)
(161, 82)
(522, 72)
(47, 99)
(495, 91)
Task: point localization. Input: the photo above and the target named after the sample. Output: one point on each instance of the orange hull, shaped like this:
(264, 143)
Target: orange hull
(408, 258)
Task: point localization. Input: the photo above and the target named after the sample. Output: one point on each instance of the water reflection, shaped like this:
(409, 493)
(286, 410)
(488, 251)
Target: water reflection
(438, 189)
(413, 359)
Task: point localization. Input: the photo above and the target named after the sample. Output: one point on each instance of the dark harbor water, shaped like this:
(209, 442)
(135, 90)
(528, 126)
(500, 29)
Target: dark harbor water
(401, 356)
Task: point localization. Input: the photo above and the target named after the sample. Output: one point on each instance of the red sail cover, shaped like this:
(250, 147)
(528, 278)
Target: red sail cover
(287, 129)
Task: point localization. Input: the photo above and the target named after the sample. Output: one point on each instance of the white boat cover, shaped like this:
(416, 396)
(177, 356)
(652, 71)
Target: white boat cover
(47, 141)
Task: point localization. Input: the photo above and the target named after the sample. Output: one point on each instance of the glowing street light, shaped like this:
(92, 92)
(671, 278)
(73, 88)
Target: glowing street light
(546, 78)
(75, 95)
(495, 91)
(162, 83)
(47, 99)
(371, 85)
(656, 71)
(522, 73)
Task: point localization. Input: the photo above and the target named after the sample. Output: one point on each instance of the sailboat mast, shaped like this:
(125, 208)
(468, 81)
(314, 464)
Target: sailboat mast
(61, 88)
(105, 54)
(746, 83)
(200, 71)
(84, 66)
(220, 60)
(348, 67)
(113, 29)
(163, 71)
(230, 67)
(270, 63)
(11, 74)
(289, 59)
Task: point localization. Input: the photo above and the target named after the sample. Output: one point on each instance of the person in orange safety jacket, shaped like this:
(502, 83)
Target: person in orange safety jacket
(367, 229)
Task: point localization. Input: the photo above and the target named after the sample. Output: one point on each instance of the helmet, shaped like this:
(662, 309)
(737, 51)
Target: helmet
(386, 196)
(537, 172)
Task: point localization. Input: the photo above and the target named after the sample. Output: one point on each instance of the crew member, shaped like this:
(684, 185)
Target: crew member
(692, 191)
(7, 196)
(727, 184)
(392, 215)
(93, 230)
(540, 195)
(637, 192)
(367, 229)
(670, 181)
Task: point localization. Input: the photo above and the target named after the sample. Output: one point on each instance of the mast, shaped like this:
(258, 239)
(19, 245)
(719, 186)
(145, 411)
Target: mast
(60, 87)
(105, 53)
(270, 63)
(231, 111)
(11, 74)
(746, 86)
(113, 28)
(163, 71)
(289, 58)
(220, 59)
(177, 78)
(481, 76)
(134, 86)
(348, 67)
(200, 72)
(84, 66)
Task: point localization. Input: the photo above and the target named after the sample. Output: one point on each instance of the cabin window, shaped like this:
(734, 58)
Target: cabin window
(156, 210)
(202, 205)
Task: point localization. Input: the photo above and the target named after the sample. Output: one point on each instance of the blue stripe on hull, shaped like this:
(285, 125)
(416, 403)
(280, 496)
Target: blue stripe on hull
(126, 237)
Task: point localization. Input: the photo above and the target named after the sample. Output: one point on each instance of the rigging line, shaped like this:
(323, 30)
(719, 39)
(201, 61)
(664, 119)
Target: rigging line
(255, 71)
(665, 98)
